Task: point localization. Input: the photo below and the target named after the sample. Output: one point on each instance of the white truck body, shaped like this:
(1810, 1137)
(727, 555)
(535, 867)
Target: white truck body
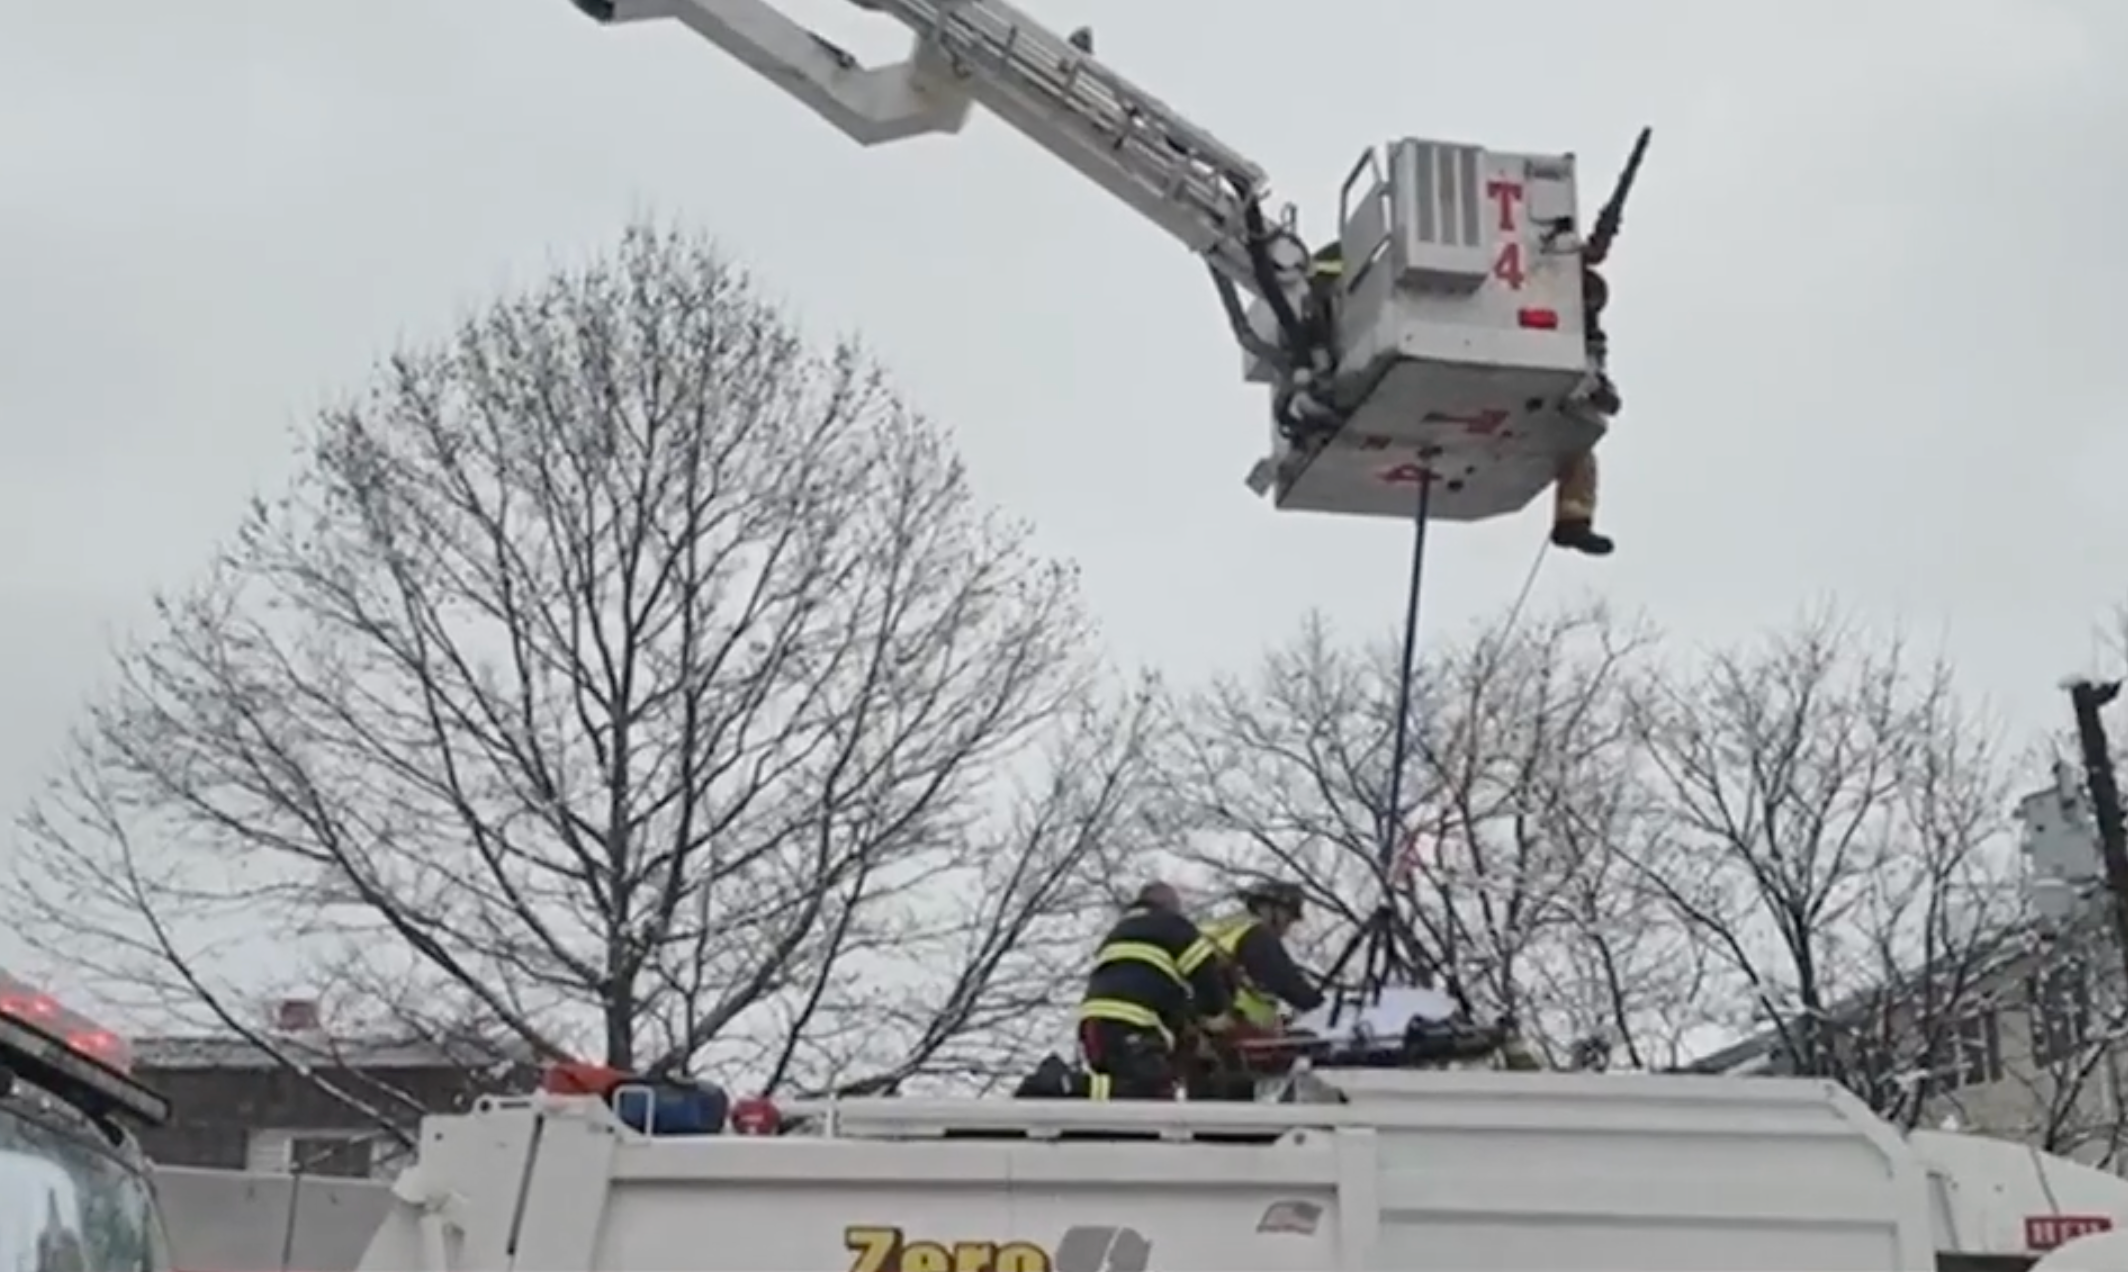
(1415, 1171)
(261, 1221)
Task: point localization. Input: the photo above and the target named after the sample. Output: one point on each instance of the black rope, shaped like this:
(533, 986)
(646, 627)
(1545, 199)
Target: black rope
(1393, 952)
(1392, 816)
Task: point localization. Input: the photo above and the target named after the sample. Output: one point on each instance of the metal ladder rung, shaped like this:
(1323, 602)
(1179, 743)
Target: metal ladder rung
(1147, 137)
(1173, 160)
(1089, 89)
(1033, 53)
(1142, 136)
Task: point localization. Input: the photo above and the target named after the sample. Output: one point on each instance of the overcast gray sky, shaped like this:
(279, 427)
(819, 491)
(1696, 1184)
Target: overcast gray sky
(1868, 321)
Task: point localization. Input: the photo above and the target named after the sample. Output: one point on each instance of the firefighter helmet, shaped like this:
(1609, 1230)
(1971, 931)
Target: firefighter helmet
(1280, 893)
(1157, 895)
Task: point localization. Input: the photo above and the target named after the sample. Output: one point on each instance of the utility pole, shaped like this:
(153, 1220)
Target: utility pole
(2087, 698)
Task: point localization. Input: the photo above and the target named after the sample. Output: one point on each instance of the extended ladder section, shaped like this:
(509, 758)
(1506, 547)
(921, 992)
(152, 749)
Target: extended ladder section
(991, 54)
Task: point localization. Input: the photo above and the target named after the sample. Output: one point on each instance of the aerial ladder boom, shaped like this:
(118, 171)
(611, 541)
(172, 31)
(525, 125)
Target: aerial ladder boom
(1437, 353)
(989, 53)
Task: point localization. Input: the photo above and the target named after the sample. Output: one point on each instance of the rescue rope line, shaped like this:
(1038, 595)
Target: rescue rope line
(1397, 850)
(1392, 814)
(1501, 637)
(1529, 581)
(1384, 942)
(1396, 840)
(1407, 860)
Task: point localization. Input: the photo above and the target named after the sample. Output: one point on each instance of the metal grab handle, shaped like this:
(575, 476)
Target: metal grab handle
(1369, 165)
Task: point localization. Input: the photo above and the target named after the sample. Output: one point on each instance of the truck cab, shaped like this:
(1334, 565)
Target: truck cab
(75, 1191)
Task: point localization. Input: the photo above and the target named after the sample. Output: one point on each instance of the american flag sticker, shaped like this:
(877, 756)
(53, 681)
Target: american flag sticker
(1291, 1216)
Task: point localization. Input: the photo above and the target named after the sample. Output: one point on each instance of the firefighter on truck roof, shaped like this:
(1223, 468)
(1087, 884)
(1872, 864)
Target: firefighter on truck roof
(1155, 978)
(1254, 942)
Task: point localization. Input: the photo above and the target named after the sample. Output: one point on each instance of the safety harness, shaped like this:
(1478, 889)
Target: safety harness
(1255, 1008)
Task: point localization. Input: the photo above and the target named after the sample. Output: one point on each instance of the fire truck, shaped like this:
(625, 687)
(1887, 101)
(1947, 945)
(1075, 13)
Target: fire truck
(75, 1191)
(1436, 354)
(77, 1195)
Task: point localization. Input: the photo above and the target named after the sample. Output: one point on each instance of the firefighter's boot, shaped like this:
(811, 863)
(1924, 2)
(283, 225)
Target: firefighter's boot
(1574, 508)
(1052, 1079)
(1580, 536)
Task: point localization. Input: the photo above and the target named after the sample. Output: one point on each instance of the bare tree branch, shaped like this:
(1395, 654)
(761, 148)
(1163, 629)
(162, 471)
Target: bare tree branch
(1838, 843)
(1521, 779)
(621, 677)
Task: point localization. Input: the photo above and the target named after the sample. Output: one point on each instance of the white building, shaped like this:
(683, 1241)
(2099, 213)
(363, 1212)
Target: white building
(2028, 1040)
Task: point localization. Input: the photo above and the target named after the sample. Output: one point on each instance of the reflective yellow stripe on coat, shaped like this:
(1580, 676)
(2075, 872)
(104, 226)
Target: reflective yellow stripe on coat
(1250, 1003)
(1179, 970)
(1125, 1013)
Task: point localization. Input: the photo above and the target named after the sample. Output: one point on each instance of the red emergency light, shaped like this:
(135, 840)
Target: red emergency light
(40, 1009)
(69, 1055)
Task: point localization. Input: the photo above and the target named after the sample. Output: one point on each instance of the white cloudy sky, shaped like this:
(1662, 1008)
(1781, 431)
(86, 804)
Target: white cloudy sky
(1868, 323)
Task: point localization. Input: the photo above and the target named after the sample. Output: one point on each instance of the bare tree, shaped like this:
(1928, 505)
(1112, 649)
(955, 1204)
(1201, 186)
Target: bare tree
(1835, 827)
(2067, 1066)
(1520, 778)
(622, 678)
(2065, 1038)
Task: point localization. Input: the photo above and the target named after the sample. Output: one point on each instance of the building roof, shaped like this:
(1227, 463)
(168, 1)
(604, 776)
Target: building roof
(1988, 956)
(1743, 1055)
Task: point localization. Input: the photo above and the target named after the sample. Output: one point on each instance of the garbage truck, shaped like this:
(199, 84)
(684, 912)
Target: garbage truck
(1351, 1165)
